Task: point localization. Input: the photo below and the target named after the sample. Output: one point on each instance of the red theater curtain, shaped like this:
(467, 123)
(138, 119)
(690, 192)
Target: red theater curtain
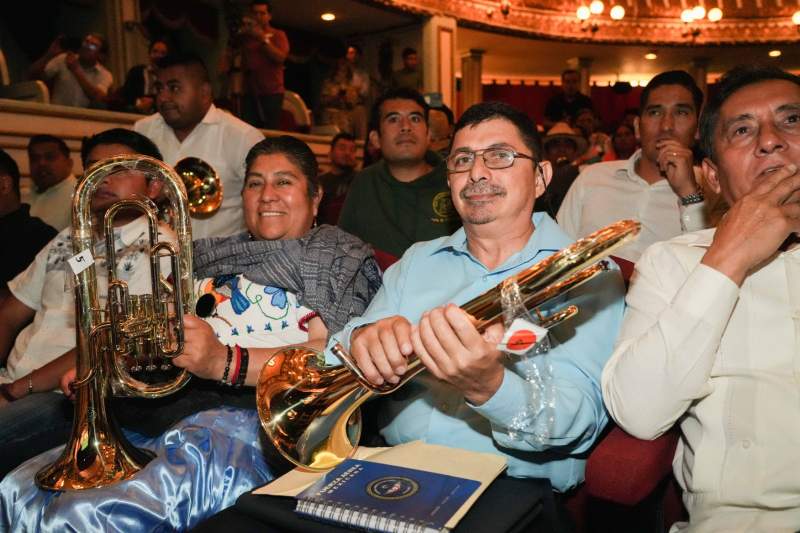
(608, 104)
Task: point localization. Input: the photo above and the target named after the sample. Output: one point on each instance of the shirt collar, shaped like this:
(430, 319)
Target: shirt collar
(547, 237)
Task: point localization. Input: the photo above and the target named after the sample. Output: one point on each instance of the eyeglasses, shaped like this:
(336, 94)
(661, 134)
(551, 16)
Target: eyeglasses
(494, 158)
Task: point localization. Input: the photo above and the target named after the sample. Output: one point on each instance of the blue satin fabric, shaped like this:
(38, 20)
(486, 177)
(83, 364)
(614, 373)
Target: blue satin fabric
(203, 464)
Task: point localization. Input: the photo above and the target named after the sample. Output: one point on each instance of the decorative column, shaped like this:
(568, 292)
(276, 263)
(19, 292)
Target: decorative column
(439, 58)
(127, 45)
(471, 72)
(699, 71)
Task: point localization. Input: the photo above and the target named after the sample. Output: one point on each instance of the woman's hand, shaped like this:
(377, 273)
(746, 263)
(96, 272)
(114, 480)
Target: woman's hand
(203, 355)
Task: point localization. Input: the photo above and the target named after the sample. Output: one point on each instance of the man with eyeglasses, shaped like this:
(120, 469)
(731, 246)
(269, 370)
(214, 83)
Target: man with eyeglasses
(474, 395)
(77, 78)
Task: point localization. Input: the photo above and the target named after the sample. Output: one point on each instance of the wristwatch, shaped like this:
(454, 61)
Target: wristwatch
(694, 198)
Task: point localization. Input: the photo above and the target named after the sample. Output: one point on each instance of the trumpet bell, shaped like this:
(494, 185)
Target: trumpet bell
(203, 186)
(309, 412)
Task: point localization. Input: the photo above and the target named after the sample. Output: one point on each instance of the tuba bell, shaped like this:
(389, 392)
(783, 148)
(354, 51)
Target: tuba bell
(125, 348)
(203, 186)
(310, 412)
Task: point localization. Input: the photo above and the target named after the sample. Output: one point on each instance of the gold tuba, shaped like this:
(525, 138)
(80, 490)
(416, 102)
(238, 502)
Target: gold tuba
(126, 347)
(310, 412)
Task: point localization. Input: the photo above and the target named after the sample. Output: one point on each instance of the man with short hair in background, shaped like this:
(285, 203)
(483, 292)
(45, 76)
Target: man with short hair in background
(657, 184)
(264, 52)
(50, 165)
(21, 234)
(408, 77)
(336, 182)
(188, 124)
(78, 78)
(564, 106)
(404, 197)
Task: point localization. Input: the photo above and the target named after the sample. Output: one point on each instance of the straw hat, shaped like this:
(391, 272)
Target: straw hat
(561, 130)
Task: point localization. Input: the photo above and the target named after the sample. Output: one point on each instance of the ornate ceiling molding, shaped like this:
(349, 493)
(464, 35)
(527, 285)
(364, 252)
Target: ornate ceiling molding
(773, 25)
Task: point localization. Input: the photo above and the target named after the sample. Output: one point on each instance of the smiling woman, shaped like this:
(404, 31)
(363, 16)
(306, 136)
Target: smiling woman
(283, 282)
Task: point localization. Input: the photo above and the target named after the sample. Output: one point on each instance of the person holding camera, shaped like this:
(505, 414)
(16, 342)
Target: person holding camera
(264, 51)
(75, 75)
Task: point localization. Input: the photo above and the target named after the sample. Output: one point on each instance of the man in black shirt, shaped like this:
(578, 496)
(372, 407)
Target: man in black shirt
(566, 104)
(21, 235)
(336, 182)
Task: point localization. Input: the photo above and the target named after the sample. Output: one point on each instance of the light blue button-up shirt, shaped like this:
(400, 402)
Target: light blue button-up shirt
(442, 271)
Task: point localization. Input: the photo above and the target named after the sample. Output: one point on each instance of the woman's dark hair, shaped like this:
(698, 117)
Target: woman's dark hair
(295, 151)
(733, 80)
(133, 140)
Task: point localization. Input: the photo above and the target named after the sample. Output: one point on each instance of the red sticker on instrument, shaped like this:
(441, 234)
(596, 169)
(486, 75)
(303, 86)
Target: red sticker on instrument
(521, 340)
(521, 336)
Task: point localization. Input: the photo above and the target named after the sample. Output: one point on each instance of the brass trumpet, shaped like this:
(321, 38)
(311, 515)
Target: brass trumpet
(127, 346)
(310, 412)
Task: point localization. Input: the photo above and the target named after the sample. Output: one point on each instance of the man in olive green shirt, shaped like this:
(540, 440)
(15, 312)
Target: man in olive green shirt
(404, 197)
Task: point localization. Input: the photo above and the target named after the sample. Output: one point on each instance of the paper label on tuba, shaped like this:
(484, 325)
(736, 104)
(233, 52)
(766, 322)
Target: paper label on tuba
(521, 336)
(82, 261)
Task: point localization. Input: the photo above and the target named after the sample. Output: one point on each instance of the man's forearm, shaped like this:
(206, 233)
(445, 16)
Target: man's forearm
(92, 92)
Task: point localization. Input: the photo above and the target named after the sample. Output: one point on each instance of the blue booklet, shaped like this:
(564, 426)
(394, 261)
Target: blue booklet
(378, 497)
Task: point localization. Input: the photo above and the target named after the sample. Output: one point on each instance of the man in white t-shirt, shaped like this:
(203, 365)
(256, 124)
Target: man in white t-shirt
(32, 418)
(657, 185)
(188, 124)
(50, 164)
(76, 78)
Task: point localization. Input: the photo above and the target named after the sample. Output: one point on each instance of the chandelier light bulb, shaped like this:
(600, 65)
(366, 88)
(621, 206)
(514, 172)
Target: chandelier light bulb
(583, 13)
(715, 15)
(698, 13)
(596, 7)
(687, 16)
(617, 12)
(328, 17)
(650, 56)
(796, 18)
(774, 53)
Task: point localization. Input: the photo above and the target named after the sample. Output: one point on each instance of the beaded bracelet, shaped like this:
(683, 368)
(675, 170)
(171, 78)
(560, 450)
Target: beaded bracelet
(240, 378)
(224, 380)
(235, 372)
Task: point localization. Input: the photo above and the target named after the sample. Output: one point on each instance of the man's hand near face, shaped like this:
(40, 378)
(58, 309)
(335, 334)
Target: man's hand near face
(675, 164)
(446, 342)
(755, 227)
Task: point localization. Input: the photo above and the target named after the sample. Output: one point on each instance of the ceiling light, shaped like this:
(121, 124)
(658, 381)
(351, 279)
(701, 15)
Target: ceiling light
(796, 18)
(650, 56)
(328, 17)
(583, 13)
(617, 12)
(687, 16)
(596, 7)
(715, 14)
(774, 53)
(698, 12)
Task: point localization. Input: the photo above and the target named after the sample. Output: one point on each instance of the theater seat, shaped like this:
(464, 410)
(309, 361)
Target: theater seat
(385, 259)
(625, 470)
